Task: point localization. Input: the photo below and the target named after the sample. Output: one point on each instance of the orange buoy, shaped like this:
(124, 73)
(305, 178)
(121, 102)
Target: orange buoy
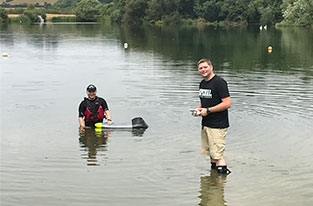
(5, 55)
(269, 49)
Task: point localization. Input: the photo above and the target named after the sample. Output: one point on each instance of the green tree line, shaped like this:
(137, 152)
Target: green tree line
(171, 12)
(175, 12)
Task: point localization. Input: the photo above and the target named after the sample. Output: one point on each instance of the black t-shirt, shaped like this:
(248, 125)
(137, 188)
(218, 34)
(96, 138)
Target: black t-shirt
(211, 93)
(93, 106)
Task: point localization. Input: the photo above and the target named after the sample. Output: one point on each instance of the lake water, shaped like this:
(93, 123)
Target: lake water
(45, 161)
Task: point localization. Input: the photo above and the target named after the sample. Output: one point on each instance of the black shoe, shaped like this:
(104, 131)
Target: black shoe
(223, 170)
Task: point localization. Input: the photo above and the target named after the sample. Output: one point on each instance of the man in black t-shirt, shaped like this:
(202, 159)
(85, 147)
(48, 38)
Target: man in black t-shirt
(215, 101)
(93, 109)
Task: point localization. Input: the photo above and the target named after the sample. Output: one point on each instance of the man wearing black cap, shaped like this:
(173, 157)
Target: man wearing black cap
(93, 109)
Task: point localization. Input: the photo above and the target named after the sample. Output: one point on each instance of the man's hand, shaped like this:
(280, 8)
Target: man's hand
(109, 121)
(81, 129)
(203, 112)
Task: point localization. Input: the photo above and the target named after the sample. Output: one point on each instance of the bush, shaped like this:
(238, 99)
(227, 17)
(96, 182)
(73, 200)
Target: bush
(173, 19)
(33, 17)
(188, 22)
(3, 15)
(42, 13)
(22, 19)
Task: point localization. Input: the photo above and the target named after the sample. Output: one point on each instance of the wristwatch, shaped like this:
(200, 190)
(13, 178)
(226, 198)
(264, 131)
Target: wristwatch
(208, 110)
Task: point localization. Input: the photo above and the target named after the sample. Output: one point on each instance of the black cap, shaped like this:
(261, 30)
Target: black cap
(91, 88)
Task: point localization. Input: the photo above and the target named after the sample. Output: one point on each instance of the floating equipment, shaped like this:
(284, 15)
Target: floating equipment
(136, 123)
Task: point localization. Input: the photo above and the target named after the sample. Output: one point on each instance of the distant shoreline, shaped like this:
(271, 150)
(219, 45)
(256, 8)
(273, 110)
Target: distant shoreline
(18, 2)
(49, 16)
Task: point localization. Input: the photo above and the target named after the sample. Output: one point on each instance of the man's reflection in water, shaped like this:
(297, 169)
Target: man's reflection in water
(212, 189)
(93, 141)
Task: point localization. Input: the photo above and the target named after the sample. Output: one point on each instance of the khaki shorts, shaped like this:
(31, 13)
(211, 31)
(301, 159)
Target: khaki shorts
(213, 142)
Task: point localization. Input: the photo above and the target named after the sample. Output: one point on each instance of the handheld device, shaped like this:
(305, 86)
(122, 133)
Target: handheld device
(194, 112)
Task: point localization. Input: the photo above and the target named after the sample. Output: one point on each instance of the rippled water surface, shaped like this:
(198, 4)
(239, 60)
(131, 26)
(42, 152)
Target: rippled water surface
(44, 160)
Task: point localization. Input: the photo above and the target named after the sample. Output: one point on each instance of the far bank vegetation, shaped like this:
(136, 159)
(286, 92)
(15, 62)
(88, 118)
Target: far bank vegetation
(169, 12)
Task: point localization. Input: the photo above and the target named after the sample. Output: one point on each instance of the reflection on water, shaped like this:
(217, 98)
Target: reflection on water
(212, 189)
(93, 143)
(138, 132)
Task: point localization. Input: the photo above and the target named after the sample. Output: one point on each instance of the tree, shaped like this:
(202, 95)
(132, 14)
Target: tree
(186, 8)
(159, 9)
(234, 11)
(88, 10)
(298, 12)
(118, 13)
(59, 4)
(107, 9)
(211, 10)
(265, 11)
(217, 10)
(135, 11)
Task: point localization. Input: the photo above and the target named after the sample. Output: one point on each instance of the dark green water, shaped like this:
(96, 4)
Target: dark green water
(44, 160)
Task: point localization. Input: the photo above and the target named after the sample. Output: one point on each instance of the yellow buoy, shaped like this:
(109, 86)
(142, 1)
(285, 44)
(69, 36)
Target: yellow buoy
(98, 131)
(269, 49)
(5, 55)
